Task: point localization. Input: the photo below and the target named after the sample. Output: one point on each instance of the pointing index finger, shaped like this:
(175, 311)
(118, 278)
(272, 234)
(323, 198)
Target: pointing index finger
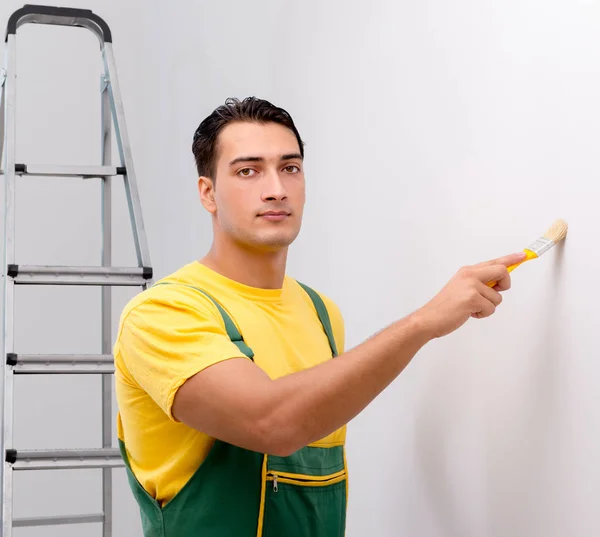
(507, 260)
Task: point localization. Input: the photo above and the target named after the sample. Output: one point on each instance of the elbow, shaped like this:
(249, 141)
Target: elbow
(279, 437)
(283, 448)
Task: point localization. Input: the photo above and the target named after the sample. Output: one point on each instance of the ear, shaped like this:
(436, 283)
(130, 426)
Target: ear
(206, 189)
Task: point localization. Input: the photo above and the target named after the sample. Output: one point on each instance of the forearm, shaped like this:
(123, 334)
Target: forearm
(309, 405)
(237, 402)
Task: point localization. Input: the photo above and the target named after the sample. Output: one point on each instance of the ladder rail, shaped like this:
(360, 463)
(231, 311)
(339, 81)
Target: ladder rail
(7, 337)
(106, 304)
(2, 89)
(122, 136)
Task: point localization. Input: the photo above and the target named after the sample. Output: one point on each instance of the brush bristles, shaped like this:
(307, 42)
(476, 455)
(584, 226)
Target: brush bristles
(557, 232)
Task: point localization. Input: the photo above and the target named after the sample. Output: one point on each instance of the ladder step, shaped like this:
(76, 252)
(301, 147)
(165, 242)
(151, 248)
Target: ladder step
(51, 170)
(64, 459)
(57, 520)
(58, 275)
(46, 364)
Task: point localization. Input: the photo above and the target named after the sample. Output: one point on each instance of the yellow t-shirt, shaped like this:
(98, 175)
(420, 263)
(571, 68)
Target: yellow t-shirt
(168, 333)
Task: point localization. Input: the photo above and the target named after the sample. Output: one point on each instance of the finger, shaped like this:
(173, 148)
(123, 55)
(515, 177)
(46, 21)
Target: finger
(485, 308)
(506, 260)
(492, 273)
(503, 284)
(490, 294)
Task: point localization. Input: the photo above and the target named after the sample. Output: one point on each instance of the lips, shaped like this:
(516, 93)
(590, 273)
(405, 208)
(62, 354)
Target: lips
(274, 216)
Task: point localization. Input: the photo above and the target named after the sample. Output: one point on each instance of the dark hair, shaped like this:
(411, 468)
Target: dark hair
(204, 145)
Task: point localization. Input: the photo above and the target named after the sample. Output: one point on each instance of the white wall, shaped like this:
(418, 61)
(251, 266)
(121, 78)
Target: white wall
(438, 134)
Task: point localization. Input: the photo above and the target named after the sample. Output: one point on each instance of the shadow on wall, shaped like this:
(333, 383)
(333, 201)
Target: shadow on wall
(437, 428)
(522, 467)
(481, 469)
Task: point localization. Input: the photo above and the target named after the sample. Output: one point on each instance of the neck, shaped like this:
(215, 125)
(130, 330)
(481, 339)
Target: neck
(265, 270)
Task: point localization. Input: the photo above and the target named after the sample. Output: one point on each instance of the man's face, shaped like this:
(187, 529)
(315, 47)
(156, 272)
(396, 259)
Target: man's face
(258, 196)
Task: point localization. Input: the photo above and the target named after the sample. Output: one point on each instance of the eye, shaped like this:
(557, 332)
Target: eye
(246, 172)
(292, 168)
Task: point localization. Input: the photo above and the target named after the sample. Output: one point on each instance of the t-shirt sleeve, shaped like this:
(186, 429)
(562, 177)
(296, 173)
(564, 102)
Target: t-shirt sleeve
(164, 341)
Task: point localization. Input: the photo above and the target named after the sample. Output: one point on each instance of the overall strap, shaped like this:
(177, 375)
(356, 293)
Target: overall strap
(234, 334)
(323, 316)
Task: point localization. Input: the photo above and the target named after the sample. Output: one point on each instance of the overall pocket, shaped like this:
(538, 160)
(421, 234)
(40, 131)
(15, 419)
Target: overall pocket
(307, 504)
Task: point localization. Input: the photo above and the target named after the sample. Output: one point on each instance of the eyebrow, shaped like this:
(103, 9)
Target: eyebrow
(288, 156)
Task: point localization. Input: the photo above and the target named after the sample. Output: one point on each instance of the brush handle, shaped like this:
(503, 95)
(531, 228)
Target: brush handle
(530, 255)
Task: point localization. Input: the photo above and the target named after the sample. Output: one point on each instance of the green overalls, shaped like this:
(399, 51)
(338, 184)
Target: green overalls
(240, 493)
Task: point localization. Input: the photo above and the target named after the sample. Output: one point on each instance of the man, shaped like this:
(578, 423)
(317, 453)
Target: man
(233, 384)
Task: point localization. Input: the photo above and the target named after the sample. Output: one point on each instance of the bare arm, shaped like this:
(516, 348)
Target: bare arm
(238, 403)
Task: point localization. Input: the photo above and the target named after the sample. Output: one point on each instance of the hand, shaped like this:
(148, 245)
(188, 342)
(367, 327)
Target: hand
(467, 295)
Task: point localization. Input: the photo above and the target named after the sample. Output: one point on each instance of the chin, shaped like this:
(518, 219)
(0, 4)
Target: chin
(273, 246)
(275, 242)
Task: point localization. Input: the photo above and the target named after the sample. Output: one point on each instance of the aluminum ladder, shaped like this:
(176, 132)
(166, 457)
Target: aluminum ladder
(111, 109)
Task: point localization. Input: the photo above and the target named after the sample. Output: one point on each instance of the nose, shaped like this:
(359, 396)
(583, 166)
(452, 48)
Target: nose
(273, 188)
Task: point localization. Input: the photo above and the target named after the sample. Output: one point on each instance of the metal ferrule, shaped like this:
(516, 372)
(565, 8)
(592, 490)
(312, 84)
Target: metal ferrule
(540, 246)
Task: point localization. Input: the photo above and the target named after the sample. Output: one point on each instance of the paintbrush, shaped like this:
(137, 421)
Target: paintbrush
(556, 233)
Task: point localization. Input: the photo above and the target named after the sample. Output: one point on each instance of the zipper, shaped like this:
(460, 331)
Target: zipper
(305, 481)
